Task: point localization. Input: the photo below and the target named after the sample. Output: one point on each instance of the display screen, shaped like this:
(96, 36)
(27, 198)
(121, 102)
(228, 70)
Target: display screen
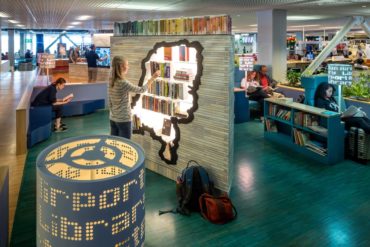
(103, 52)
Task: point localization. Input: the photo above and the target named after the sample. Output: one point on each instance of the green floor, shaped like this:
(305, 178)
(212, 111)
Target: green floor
(283, 199)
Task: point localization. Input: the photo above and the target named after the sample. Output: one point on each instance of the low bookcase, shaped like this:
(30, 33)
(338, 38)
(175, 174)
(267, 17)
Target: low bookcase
(314, 132)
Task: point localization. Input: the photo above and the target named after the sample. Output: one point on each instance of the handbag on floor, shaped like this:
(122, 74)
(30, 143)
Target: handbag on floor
(218, 210)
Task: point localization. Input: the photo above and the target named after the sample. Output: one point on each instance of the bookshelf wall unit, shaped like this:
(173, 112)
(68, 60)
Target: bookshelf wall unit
(204, 130)
(311, 131)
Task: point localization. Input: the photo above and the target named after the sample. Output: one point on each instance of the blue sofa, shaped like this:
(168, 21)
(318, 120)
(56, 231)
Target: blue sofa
(88, 98)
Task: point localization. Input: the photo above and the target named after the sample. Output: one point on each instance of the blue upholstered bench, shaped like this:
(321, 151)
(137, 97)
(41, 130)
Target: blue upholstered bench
(39, 124)
(82, 107)
(41, 118)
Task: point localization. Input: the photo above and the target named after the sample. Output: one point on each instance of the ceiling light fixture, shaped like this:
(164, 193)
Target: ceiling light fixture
(363, 6)
(84, 17)
(3, 15)
(76, 23)
(253, 25)
(303, 18)
(142, 6)
(13, 21)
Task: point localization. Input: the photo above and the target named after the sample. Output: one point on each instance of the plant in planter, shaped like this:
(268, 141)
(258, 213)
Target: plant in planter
(293, 78)
(360, 88)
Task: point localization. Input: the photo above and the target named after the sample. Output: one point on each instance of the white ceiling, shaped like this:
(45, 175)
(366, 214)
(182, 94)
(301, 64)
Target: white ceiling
(61, 14)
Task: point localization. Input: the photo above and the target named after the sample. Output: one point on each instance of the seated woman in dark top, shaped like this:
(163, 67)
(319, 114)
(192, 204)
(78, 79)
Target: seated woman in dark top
(324, 99)
(48, 96)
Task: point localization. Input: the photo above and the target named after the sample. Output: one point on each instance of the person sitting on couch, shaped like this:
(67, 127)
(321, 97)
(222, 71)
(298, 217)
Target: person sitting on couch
(253, 88)
(48, 96)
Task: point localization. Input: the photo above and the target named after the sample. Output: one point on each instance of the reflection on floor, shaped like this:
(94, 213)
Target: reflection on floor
(283, 199)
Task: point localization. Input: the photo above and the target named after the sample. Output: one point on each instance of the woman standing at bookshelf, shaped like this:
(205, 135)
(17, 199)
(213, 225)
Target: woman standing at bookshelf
(119, 97)
(324, 99)
(253, 88)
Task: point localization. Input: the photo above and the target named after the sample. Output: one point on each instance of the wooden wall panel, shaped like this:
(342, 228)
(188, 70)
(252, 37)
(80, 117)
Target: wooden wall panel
(208, 139)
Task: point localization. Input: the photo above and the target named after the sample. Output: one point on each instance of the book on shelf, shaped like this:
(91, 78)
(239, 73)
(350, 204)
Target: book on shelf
(168, 53)
(317, 147)
(164, 106)
(305, 119)
(136, 122)
(165, 88)
(165, 69)
(183, 53)
(166, 129)
(178, 26)
(300, 138)
(270, 125)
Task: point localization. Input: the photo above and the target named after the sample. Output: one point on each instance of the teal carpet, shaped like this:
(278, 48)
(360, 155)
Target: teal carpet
(283, 199)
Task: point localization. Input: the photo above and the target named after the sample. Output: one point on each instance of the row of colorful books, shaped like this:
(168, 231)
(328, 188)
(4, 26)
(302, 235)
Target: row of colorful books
(305, 119)
(277, 111)
(179, 26)
(165, 68)
(167, 89)
(163, 106)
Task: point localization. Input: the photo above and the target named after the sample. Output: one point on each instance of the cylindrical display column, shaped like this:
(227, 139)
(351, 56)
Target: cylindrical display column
(90, 192)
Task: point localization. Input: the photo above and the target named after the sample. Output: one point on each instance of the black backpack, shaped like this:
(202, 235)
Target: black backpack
(193, 182)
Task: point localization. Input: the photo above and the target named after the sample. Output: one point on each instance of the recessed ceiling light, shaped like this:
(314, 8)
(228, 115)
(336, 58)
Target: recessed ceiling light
(363, 6)
(302, 18)
(306, 26)
(20, 25)
(69, 27)
(84, 17)
(3, 15)
(13, 21)
(253, 25)
(75, 23)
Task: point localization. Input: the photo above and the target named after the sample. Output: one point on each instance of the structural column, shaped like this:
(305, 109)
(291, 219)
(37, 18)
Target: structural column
(272, 26)
(1, 48)
(11, 48)
(22, 44)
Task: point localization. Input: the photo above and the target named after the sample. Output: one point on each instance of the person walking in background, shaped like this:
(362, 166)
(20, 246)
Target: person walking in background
(92, 57)
(119, 89)
(48, 96)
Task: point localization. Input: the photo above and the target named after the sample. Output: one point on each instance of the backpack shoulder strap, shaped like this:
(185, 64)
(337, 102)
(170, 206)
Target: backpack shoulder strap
(188, 181)
(204, 178)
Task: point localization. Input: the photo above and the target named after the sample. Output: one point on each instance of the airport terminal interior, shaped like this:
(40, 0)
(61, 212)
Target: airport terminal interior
(252, 112)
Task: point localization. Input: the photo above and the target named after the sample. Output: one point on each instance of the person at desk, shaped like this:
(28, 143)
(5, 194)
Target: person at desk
(324, 99)
(92, 57)
(119, 89)
(48, 96)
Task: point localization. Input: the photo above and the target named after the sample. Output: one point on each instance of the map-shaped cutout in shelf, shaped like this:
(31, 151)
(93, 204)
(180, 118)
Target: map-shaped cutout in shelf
(172, 99)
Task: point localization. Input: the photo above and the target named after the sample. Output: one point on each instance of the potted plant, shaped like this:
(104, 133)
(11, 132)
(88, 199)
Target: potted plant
(293, 78)
(359, 89)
